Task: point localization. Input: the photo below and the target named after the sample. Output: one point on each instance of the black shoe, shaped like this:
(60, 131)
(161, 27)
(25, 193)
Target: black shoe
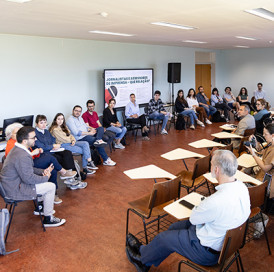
(133, 243)
(88, 172)
(136, 260)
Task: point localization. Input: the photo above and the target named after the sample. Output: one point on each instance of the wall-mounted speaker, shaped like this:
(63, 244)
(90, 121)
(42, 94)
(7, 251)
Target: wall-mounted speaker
(174, 73)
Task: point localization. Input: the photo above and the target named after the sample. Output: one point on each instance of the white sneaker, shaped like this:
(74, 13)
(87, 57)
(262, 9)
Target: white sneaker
(208, 122)
(119, 146)
(164, 132)
(192, 127)
(109, 162)
(71, 181)
(80, 185)
(200, 123)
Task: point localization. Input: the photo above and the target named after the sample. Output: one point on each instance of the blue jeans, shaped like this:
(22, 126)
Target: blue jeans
(191, 114)
(119, 131)
(159, 116)
(210, 110)
(181, 238)
(81, 148)
(91, 139)
(44, 161)
(100, 132)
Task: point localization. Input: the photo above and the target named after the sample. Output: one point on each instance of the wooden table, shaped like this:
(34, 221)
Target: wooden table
(148, 172)
(239, 175)
(204, 143)
(226, 135)
(181, 154)
(179, 211)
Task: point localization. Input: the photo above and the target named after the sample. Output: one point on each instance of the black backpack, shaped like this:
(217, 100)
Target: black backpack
(180, 122)
(216, 117)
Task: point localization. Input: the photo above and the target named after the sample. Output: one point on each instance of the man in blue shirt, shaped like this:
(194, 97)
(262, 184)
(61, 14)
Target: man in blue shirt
(133, 116)
(202, 100)
(200, 238)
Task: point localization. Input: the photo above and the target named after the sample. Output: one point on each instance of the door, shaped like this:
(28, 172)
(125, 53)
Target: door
(203, 77)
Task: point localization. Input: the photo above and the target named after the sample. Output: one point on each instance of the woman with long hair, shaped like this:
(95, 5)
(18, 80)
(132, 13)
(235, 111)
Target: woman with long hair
(61, 133)
(262, 108)
(194, 104)
(181, 107)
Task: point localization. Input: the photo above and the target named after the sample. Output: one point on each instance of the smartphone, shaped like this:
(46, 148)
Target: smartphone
(187, 204)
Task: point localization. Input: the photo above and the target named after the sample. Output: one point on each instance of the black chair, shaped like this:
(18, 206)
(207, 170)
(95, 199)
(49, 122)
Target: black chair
(131, 126)
(13, 203)
(108, 136)
(260, 123)
(152, 121)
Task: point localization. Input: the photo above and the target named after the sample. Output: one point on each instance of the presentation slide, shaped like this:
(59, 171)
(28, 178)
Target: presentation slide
(119, 84)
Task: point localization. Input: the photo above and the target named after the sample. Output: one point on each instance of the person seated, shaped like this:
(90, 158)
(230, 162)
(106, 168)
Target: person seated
(82, 132)
(92, 120)
(266, 162)
(22, 181)
(61, 133)
(181, 107)
(262, 108)
(218, 103)
(156, 111)
(132, 113)
(40, 160)
(111, 123)
(258, 94)
(243, 97)
(200, 238)
(48, 143)
(247, 121)
(193, 104)
(203, 102)
(230, 99)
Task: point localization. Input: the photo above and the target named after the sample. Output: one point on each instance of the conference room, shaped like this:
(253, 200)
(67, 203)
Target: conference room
(54, 58)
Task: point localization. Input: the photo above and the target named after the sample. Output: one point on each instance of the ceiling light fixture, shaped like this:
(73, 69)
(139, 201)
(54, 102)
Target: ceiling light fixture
(19, 1)
(246, 38)
(190, 41)
(174, 25)
(110, 33)
(241, 46)
(261, 12)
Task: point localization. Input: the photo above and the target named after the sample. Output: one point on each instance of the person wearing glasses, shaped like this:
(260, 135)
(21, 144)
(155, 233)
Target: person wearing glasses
(262, 109)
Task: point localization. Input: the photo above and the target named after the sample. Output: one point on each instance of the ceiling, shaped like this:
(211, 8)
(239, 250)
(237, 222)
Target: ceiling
(217, 21)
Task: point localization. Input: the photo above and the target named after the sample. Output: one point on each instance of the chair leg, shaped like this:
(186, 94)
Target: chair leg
(12, 207)
(208, 188)
(35, 202)
(240, 261)
(145, 229)
(265, 234)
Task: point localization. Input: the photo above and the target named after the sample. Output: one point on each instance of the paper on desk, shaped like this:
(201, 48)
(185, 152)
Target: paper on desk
(246, 161)
(58, 150)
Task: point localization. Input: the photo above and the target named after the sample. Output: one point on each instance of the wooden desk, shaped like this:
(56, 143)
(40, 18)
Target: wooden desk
(229, 127)
(226, 135)
(181, 154)
(246, 161)
(179, 211)
(204, 143)
(148, 172)
(239, 175)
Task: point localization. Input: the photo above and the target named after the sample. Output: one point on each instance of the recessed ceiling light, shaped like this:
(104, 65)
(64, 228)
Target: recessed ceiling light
(241, 46)
(190, 41)
(110, 33)
(174, 25)
(261, 12)
(19, 1)
(246, 38)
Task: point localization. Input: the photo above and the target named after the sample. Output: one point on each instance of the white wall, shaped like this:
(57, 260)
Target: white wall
(245, 68)
(42, 75)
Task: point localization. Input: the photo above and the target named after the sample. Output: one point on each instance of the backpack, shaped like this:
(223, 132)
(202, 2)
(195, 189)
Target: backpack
(96, 157)
(180, 122)
(216, 117)
(80, 175)
(4, 221)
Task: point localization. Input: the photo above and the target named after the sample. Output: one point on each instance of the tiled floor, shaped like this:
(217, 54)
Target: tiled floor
(93, 239)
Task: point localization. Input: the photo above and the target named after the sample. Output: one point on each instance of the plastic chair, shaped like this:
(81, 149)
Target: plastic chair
(234, 240)
(151, 205)
(13, 203)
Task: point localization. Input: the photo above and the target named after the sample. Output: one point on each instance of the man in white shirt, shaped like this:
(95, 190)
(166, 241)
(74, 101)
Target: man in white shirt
(200, 238)
(260, 93)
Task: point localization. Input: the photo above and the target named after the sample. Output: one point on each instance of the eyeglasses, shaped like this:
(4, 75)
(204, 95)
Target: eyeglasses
(78, 111)
(32, 138)
(258, 104)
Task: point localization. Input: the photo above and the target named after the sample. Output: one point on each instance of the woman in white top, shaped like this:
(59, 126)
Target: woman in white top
(194, 104)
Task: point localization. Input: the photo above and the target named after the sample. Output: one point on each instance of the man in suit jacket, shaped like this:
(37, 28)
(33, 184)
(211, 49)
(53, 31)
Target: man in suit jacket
(21, 181)
(247, 122)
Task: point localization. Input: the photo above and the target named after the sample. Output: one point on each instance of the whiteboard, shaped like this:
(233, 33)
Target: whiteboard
(119, 84)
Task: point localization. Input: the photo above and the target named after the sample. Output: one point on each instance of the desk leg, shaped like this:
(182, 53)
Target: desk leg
(185, 164)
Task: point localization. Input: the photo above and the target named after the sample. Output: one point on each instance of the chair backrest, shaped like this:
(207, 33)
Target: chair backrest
(257, 194)
(201, 167)
(234, 240)
(227, 147)
(249, 132)
(164, 192)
